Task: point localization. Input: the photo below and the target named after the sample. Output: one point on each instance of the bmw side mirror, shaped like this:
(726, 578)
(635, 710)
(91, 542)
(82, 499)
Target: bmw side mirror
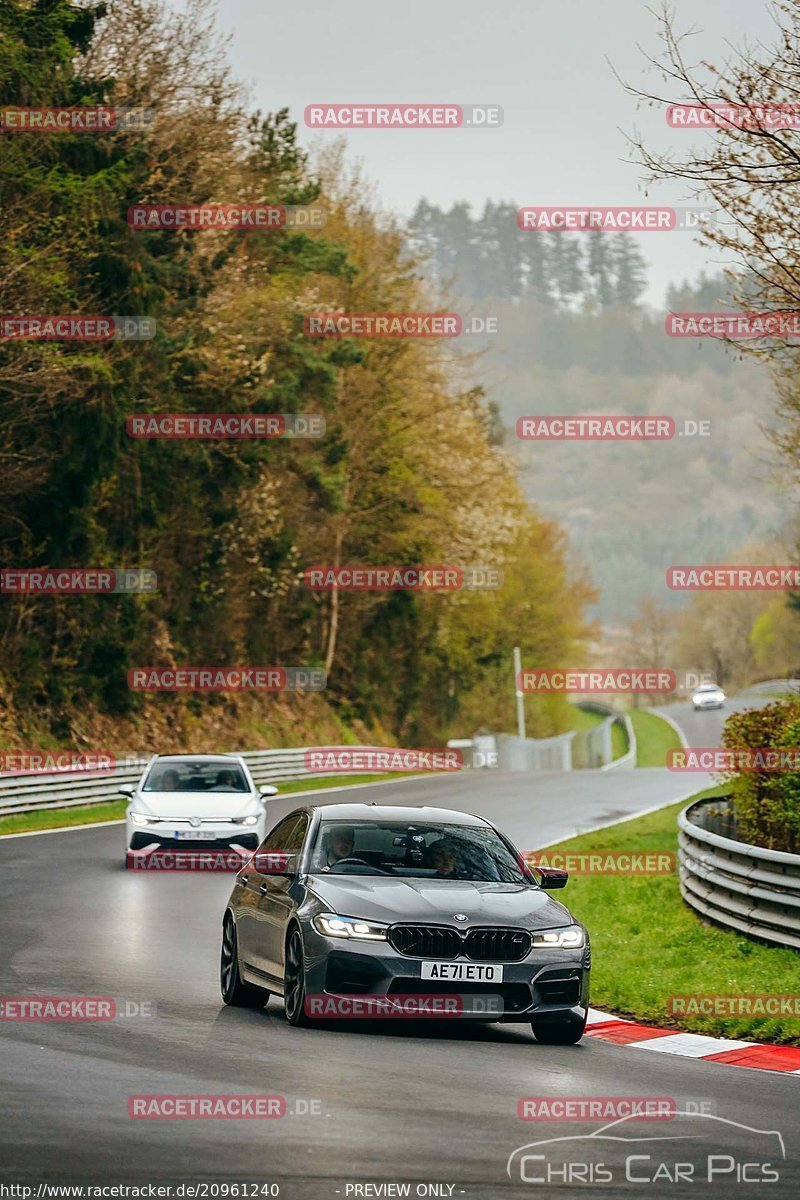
(274, 862)
(126, 789)
(550, 878)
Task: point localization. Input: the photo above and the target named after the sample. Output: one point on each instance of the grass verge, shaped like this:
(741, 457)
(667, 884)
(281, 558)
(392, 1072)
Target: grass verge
(584, 718)
(114, 810)
(648, 945)
(654, 737)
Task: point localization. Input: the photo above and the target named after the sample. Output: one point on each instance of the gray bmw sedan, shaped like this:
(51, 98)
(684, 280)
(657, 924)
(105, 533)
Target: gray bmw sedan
(365, 910)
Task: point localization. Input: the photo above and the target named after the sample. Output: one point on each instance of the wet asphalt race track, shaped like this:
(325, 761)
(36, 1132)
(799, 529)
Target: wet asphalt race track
(704, 728)
(368, 1103)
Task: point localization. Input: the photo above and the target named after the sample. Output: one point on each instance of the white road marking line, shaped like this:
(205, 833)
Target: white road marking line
(690, 1045)
(596, 1017)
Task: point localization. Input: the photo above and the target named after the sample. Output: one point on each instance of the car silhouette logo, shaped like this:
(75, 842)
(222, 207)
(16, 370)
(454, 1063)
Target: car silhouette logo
(195, 822)
(460, 917)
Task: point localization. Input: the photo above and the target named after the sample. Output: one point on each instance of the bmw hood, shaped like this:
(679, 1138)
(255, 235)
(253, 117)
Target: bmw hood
(378, 898)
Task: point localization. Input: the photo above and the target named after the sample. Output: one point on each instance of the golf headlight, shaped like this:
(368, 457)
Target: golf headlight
(139, 818)
(330, 925)
(570, 938)
(250, 820)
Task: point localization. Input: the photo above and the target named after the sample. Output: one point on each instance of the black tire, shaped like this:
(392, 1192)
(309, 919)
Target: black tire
(294, 981)
(235, 991)
(560, 1031)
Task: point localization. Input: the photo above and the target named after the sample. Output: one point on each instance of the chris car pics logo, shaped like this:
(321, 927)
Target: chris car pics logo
(699, 1149)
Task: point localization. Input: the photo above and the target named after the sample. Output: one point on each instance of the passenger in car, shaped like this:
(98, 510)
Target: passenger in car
(224, 782)
(442, 857)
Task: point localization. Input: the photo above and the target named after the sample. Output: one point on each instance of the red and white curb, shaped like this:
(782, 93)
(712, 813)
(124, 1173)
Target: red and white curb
(692, 1045)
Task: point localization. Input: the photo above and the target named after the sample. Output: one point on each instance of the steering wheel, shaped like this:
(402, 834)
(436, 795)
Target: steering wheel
(352, 860)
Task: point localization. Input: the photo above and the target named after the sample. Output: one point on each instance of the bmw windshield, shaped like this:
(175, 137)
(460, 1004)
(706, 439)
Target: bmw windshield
(421, 851)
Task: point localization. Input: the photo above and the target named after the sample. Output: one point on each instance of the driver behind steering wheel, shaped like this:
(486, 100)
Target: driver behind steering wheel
(340, 845)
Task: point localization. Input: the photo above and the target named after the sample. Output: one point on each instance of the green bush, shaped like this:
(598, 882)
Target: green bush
(766, 803)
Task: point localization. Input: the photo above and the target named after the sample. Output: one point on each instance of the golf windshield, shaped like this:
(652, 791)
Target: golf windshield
(421, 850)
(218, 775)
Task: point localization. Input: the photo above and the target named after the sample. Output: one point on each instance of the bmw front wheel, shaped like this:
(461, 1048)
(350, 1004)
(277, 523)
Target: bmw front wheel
(294, 981)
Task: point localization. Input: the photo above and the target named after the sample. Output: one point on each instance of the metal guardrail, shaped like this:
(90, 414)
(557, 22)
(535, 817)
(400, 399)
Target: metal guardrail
(41, 790)
(629, 758)
(535, 754)
(586, 748)
(772, 687)
(38, 790)
(748, 888)
(595, 748)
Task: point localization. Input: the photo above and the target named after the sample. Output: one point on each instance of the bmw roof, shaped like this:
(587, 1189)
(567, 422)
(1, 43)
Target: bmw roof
(391, 812)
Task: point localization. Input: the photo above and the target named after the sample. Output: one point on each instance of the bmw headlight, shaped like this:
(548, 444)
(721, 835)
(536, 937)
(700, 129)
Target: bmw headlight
(139, 818)
(330, 925)
(570, 938)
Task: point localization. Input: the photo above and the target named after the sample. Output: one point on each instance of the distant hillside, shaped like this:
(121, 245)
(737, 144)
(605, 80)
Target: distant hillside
(569, 344)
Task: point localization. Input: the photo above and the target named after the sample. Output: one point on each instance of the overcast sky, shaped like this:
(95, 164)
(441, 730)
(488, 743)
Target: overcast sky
(562, 141)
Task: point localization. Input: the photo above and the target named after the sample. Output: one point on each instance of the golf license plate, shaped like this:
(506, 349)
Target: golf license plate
(195, 835)
(463, 972)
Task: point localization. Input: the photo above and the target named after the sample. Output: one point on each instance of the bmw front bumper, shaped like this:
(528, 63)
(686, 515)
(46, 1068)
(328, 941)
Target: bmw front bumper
(546, 983)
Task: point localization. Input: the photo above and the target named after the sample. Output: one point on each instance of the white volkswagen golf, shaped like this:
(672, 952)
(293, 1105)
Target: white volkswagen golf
(183, 800)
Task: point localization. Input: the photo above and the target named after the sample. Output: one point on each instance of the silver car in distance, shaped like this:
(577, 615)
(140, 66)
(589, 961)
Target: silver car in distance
(343, 902)
(708, 695)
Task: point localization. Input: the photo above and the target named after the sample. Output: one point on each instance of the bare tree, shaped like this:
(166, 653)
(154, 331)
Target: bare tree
(749, 170)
